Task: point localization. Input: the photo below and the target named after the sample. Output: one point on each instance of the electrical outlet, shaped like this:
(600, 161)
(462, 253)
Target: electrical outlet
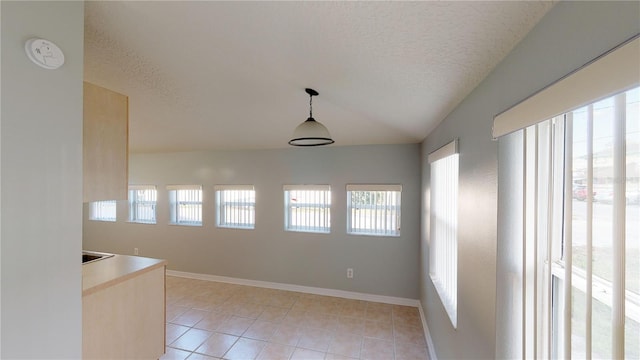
(135, 251)
(349, 273)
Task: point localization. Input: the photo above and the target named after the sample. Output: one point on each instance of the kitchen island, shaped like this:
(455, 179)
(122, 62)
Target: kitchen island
(123, 308)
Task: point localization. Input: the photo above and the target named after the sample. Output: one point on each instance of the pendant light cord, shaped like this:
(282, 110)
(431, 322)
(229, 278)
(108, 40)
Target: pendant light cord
(310, 106)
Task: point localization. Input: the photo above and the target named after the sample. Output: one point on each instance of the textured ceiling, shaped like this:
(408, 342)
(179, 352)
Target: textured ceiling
(231, 75)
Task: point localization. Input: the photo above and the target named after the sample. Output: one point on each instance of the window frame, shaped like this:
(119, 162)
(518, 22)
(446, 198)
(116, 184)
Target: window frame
(222, 207)
(542, 214)
(555, 278)
(95, 213)
(443, 247)
(382, 217)
(133, 200)
(174, 205)
(323, 207)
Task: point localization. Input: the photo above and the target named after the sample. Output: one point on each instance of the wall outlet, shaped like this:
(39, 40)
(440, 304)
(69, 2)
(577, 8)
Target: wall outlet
(135, 251)
(349, 273)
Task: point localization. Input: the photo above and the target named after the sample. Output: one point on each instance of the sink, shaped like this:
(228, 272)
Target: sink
(91, 256)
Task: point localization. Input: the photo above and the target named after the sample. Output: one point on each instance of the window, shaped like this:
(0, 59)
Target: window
(142, 204)
(443, 249)
(586, 263)
(577, 222)
(185, 205)
(594, 275)
(103, 210)
(373, 209)
(236, 206)
(307, 208)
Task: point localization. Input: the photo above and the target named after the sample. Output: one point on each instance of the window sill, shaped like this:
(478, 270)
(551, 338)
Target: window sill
(449, 306)
(142, 222)
(186, 224)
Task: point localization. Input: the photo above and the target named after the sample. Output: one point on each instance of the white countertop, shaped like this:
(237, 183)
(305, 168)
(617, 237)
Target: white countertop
(107, 272)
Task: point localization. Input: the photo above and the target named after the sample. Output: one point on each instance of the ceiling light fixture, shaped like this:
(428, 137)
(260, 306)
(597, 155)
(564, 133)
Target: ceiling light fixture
(311, 132)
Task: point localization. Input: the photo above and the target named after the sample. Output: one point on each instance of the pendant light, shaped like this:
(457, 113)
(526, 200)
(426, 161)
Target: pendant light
(311, 132)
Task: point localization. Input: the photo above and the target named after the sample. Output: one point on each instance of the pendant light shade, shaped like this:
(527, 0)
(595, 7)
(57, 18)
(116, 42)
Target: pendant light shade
(311, 132)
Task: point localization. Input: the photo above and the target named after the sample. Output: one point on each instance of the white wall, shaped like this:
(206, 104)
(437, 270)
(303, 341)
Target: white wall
(571, 34)
(382, 265)
(41, 184)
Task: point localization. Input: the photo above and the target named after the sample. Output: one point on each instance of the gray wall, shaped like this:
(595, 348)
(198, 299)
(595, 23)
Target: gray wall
(41, 189)
(570, 35)
(382, 265)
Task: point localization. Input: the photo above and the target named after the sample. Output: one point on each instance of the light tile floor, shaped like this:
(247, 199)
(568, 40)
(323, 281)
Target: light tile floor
(211, 320)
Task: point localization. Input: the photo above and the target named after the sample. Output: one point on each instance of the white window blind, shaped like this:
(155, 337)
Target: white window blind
(373, 209)
(236, 206)
(581, 221)
(185, 204)
(582, 232)
(443, 247)
(103, 210)
(587, 262)
(307, 208)
(142, 203)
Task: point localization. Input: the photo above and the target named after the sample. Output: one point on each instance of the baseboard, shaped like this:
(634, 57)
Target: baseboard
(299, 288)
(427, 334)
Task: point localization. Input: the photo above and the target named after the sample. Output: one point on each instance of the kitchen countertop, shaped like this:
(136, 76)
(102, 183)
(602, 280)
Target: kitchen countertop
(118, 268)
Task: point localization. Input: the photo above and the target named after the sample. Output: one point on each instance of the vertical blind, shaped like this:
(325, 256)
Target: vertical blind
(307, 208)
(142, 203)
(236, 206)
(443, 247)
(185, 204)
(103, 210)
(580, 221)
(581, 285)
(373, 209)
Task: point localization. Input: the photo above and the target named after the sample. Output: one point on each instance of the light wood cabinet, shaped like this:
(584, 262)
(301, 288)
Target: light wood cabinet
(105, 144)
(125, 320)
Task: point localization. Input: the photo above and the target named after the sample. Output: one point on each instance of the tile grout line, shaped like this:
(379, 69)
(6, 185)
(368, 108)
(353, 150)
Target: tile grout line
(240, 297)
